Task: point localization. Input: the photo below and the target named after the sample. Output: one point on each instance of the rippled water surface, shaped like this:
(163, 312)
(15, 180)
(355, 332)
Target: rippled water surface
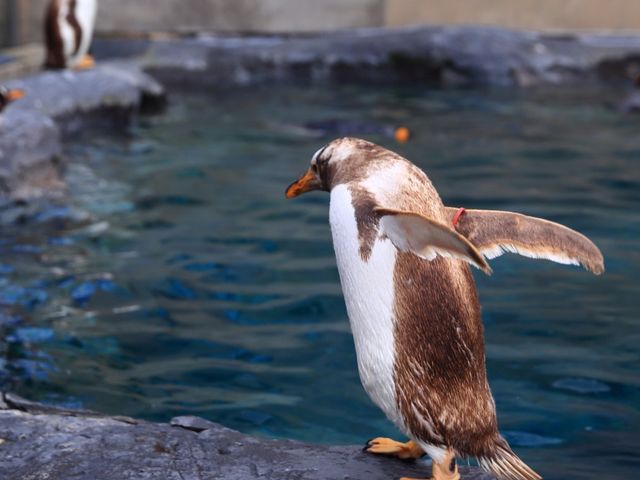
(179, 280)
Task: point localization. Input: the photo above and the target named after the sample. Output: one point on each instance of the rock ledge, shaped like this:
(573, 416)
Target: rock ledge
(57, 105)
(39, 442)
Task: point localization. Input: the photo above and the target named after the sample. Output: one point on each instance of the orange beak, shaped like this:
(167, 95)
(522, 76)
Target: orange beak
(306, 183)
(15, 94)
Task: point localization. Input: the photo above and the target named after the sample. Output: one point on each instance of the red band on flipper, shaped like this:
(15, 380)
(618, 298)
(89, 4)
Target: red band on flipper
(457, 216)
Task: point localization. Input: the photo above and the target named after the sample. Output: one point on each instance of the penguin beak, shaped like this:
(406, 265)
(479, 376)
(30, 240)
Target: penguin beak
(306, 183)
(15, 94)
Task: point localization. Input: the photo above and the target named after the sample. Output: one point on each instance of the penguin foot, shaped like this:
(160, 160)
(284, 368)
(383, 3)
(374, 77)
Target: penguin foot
(445, 470)
(387, 446)
(85, 63)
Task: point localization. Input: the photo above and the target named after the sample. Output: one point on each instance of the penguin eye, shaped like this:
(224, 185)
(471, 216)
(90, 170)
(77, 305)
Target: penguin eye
(314, 168)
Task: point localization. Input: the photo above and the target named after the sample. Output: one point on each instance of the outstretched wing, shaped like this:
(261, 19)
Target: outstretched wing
(494, 233)
(425, 237)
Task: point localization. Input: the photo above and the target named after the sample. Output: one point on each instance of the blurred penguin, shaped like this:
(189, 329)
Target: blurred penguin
(9, 95)
(68, 32)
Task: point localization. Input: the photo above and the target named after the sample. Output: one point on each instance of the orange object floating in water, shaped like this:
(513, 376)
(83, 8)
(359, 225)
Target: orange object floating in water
(402, 134)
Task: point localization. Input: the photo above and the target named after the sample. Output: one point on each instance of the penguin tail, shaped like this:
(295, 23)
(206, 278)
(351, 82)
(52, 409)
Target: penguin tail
(504, 464)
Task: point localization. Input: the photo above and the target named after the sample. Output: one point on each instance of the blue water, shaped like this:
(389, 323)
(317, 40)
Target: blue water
(177, 280)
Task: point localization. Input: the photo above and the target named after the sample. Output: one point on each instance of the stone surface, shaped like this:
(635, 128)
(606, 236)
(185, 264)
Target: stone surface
(39, 442)
(428, 55)
(56, 105)
(29, 156)
(69, 96)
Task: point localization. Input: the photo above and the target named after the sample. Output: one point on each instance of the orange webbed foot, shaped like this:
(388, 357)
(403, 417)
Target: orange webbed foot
(387, 446)
(85, 63)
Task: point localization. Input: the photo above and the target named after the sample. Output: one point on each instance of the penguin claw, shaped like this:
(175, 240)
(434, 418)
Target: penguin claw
(368, 443)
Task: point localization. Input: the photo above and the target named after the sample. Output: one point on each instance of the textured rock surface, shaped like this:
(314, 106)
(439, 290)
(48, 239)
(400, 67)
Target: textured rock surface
(29, 155)
(66, 96)
(58, 104)
(440, 55)
(39, 442)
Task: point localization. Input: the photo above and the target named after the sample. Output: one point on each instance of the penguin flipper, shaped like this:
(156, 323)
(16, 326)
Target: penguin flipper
(426, 238)
(495, 232)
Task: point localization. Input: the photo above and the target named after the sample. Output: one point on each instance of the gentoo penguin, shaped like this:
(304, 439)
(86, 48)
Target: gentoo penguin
(343, 127)
(68, 31)
(7, 96)
(412, 303)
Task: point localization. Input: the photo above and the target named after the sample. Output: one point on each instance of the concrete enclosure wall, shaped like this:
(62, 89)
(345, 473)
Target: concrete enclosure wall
(322, 15)
(240, 15)
(527, 14)
(212, 15)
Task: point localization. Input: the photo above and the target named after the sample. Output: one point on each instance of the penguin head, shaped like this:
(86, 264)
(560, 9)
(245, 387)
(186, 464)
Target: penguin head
(7, 96)
(341, 161)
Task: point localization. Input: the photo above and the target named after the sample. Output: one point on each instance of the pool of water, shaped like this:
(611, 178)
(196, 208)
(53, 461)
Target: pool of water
(178, 280)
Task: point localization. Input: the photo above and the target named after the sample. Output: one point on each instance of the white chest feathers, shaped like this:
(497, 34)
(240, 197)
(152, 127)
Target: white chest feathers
(369, 295)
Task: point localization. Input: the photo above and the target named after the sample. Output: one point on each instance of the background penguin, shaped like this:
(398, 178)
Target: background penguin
(7, 96)
(68, 32)
(412, 302)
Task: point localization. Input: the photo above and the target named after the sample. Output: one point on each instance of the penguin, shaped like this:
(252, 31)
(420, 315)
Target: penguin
(403, 259)
(9, 95)
(68, 32)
